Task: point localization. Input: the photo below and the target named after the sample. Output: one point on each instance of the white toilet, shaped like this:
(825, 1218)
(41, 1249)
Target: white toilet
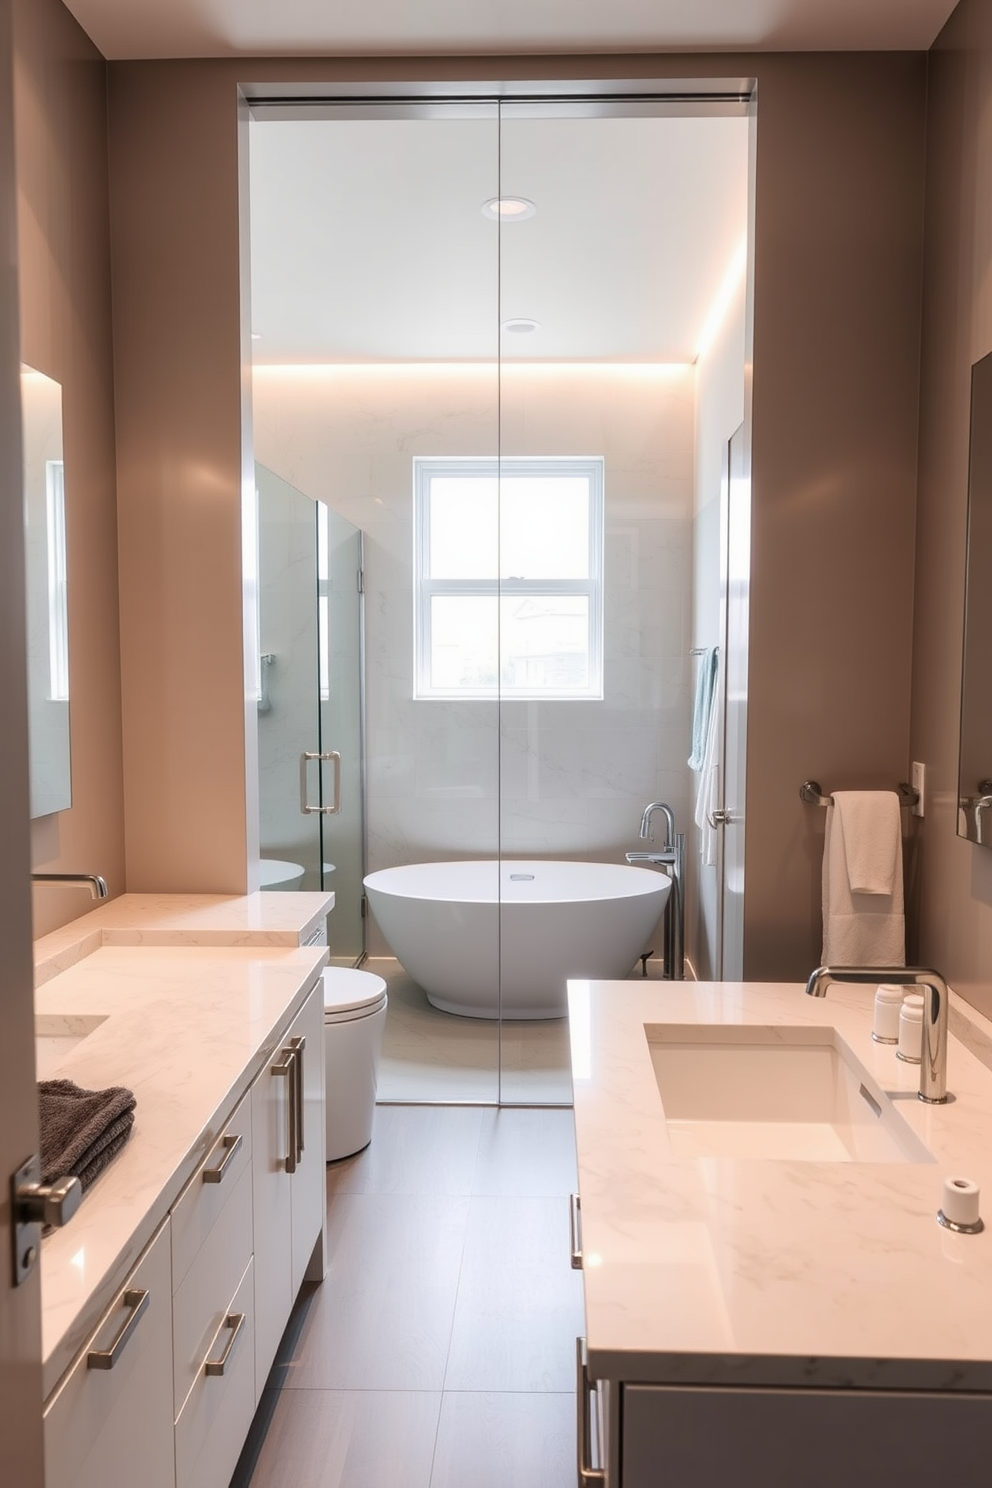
(354, 1018)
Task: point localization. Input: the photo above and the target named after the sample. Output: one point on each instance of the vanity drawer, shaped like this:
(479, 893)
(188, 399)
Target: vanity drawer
(217, 1414)
(110, 1425)
(203, 1299)
(202, 1201)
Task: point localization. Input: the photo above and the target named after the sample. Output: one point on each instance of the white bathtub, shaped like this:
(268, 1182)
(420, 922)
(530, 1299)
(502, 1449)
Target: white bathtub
(489, 939)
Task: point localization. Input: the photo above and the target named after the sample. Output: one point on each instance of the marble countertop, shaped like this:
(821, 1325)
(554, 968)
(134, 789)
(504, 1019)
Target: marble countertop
(775, 1273)
(274, 919)
(186, 1027)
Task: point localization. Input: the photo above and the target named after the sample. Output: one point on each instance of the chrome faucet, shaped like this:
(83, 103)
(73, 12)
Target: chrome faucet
(669, 822)
(936, 1003)
(92, 881)
(671, 859)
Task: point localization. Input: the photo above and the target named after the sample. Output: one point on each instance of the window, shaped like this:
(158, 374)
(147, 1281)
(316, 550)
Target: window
(509, 578)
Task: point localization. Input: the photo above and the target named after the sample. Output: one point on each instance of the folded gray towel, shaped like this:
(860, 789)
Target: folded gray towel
(81, 1130)
(94, 1166)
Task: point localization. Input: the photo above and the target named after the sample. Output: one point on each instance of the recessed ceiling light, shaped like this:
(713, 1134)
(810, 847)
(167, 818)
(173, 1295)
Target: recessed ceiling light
(508, 209)
(521, 324)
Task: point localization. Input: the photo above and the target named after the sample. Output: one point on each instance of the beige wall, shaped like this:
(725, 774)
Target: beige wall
(60, 104)
(956, 876)
(837, 253)
(839, 198)
(177, 340)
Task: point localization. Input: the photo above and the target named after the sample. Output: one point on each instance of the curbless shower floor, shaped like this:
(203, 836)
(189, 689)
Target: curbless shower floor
(432, 1056)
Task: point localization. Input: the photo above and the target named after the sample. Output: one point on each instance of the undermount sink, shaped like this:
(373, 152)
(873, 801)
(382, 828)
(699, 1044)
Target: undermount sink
(55, 1037)
(782, 1093)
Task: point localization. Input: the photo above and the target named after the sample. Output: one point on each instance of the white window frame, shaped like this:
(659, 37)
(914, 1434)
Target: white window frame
(425, 587)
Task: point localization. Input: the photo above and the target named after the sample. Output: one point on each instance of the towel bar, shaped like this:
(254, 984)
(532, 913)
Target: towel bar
(810, 792)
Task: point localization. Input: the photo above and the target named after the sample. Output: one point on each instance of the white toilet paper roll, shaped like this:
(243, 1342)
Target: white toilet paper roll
(960, 1201)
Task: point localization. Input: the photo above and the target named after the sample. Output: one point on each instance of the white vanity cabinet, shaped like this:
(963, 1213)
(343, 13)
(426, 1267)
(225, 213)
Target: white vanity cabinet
(110, 1422)
(164, 1393)
(287, 1110)
(212, 1309)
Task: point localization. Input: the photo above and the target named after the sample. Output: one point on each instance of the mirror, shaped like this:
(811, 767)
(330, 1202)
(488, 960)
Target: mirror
(975, 759)
(47, 612)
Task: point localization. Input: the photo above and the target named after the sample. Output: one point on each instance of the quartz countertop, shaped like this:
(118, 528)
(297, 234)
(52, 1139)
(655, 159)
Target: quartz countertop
(274, 919)
(747, 1272)
(186, 1027)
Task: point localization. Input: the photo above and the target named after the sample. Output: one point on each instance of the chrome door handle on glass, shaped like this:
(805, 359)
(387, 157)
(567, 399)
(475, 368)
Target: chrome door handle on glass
(305, 805)
(719, 818)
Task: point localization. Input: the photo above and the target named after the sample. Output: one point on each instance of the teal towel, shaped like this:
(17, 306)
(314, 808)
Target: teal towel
(702, 706)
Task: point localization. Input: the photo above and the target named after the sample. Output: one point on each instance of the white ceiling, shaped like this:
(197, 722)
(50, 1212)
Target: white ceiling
(369, 242)
(224, 28)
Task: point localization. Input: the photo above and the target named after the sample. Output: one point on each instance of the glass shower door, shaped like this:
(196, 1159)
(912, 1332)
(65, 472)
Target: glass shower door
(288, 722)
(311, 705)
(341, 656)
(596, 581)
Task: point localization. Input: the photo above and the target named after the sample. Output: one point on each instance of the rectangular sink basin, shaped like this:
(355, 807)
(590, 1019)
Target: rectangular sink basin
(776, 1093)
(55, 1037)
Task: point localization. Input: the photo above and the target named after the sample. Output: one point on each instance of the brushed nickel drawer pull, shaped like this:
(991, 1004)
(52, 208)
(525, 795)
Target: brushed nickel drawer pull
(298, 1045)
(589, 1477)
(575, 1230)
(286, 1069)
(216, 1367)
(232, 1144)
(135, 1301)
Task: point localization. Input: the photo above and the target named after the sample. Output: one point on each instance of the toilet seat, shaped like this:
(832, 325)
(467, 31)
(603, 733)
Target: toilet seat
(351, 994)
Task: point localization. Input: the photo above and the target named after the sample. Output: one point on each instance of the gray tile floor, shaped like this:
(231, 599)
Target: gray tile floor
(438, 1353)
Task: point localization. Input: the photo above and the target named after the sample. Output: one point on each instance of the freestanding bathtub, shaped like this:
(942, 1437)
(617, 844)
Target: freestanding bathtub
(490, 939)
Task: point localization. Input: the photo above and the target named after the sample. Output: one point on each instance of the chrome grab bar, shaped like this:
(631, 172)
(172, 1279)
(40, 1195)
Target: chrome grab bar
(811, 793)
(136, 1302)
(575, 1230)
(305, 806)
(589, 1476)
(216, 1367)
(233, 1146)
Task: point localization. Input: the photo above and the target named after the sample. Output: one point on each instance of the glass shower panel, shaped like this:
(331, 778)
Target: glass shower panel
(598, 723)
(289, 840)
(375, 293)
(340, 566)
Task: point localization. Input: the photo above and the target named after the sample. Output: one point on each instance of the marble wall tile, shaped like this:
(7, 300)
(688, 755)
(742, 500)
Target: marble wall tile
(451, 778)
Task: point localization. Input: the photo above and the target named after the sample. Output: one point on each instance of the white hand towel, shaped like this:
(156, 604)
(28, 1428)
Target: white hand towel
(872, 840)
(864, 923)
(702, 706)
